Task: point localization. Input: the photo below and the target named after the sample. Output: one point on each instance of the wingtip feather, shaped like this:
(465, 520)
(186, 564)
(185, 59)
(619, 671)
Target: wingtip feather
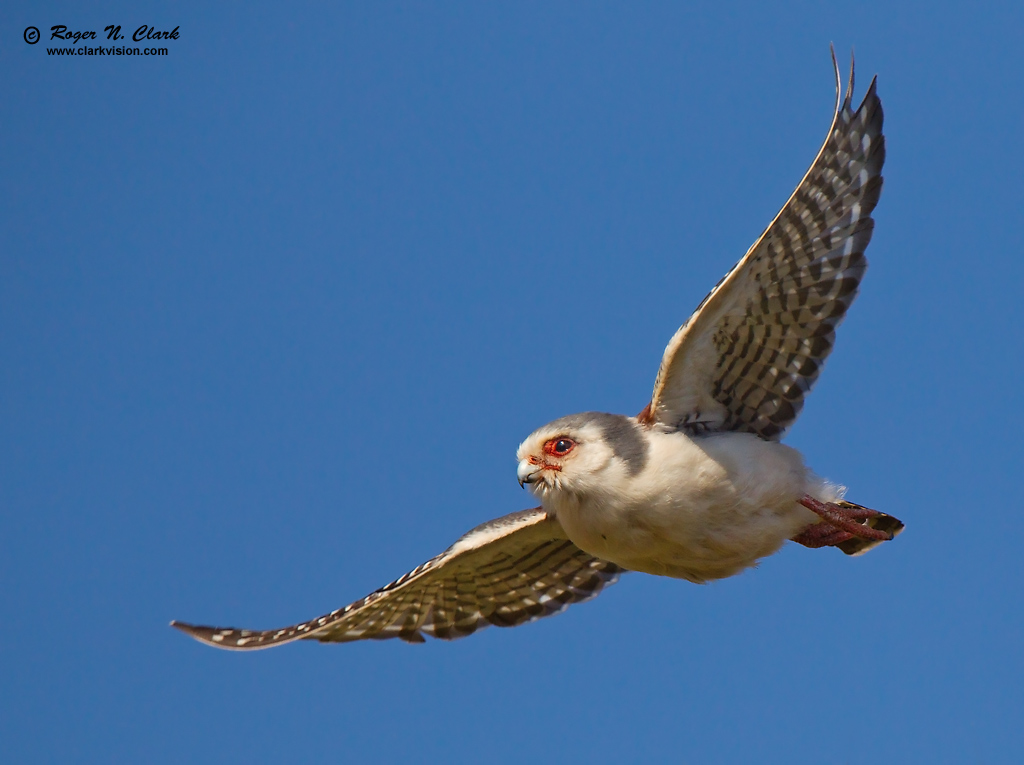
(849, 86)
(839, 78)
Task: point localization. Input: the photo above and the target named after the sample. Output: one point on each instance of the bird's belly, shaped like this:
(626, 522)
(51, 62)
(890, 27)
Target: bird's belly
(706, 509)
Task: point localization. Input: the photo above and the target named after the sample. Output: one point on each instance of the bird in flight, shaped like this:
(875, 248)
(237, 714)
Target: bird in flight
(696, 486)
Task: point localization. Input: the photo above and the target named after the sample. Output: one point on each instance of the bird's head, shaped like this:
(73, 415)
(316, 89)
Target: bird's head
(572, 453)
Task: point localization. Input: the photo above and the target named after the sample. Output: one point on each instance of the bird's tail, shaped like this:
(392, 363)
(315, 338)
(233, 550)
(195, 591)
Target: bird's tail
(881, 522)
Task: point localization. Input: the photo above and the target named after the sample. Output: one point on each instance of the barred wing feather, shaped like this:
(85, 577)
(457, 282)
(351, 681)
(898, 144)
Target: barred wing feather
(755, 346)
(506, 572)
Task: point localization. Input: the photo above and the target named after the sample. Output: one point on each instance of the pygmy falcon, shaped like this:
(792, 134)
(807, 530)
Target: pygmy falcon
(696, 486)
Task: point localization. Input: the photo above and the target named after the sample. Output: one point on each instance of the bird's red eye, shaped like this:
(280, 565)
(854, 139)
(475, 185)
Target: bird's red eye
(559, 447)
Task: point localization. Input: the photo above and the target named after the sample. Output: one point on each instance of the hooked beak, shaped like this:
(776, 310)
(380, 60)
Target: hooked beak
(527, 472)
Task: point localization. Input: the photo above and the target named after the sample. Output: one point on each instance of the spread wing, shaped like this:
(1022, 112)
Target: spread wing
(505, 572)
(754, 347)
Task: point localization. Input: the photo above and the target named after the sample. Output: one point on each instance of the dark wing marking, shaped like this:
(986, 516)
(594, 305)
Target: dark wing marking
(505, 572)
(751, 351)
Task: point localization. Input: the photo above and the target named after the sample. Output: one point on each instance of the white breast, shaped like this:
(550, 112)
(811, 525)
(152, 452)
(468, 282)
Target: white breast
(701, 508)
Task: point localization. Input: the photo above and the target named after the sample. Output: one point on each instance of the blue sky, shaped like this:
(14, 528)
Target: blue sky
(278, 307)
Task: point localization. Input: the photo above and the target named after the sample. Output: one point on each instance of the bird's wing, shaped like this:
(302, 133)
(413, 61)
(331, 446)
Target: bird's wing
(754, 347)
(505, 572)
